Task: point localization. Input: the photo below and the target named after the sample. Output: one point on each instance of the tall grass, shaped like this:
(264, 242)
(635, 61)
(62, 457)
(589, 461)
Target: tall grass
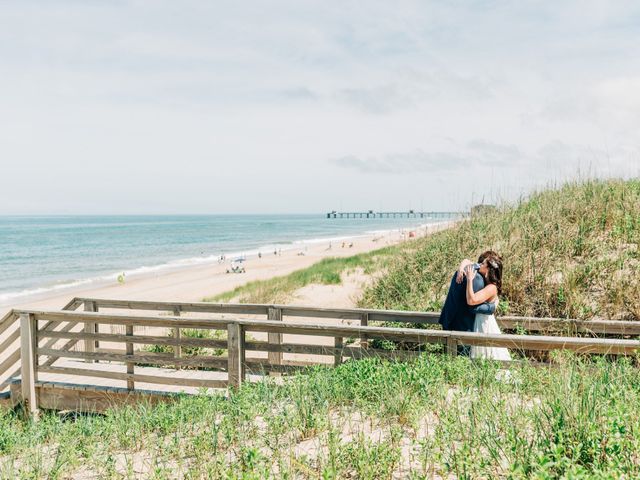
(436, 417)
(570, 252)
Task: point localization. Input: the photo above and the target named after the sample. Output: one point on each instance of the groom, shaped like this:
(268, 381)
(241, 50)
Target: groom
(456, 314)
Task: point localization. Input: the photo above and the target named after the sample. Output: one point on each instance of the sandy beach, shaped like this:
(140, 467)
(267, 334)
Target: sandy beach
(192, 284)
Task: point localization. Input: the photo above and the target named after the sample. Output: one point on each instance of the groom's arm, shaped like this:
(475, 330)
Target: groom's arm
(486, 308)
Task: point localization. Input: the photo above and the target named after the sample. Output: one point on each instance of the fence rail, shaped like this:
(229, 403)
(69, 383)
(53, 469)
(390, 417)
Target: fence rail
(366, 316)
(35, 327)
(68, 342)
(10, 367)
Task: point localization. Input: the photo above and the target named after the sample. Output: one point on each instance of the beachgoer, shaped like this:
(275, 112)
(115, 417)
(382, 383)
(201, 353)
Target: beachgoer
(491, 269)
(456, 313)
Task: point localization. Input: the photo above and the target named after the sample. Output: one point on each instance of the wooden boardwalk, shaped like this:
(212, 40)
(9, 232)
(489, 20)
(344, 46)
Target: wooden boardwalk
(95, 358)
(99, 376)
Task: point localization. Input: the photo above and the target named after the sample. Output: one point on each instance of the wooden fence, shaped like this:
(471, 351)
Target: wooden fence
(47, 336)
(567, 327)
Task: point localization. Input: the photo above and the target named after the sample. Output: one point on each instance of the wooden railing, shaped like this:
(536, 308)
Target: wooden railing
(33, 341)
(363, 317)
(567, 327)
(39, 346)
(10, 346)
(9, 367)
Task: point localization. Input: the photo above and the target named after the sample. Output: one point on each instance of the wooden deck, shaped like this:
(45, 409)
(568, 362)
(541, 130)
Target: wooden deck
(95, 358)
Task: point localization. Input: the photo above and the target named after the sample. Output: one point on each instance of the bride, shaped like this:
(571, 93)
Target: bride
(491, 270)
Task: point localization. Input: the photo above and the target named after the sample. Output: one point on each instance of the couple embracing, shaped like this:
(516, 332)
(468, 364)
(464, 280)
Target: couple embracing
(472, 300)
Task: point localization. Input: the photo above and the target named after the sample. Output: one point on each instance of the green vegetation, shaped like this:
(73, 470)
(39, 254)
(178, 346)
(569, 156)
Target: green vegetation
(193, 351)
(572, 252)
(328, 272)
(436, 417)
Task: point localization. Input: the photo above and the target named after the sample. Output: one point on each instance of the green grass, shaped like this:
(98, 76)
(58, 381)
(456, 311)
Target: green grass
(369, 419)
(570, 252)
(328, 271)
(193, 351)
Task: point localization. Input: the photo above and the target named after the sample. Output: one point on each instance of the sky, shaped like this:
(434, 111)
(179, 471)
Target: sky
(206, 107)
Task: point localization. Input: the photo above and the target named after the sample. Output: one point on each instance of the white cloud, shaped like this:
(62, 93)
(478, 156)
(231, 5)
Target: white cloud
(145, 98)
(404, 163)
(457, 160)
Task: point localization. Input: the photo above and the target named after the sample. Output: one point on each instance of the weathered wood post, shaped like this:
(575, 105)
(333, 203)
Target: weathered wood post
(90, 345)
(177, 349)
(337, 355)
(364, 322)
(235, 354)
(452, 346)
(130, 365)
(28, 363)
(275, 358)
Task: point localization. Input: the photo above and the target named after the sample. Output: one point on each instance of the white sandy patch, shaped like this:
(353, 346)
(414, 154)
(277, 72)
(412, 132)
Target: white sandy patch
(343, 295)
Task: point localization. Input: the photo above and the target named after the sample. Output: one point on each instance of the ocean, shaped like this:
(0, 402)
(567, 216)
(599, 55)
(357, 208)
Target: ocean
(39, 254)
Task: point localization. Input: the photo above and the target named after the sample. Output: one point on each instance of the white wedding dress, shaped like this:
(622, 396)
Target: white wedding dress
(488, 324)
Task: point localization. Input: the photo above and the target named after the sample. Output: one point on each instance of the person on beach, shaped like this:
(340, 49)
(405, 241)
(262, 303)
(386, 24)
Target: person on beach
(456, 313)
(491, 270)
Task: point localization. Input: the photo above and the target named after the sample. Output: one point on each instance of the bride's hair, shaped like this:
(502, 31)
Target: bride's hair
(494, 262)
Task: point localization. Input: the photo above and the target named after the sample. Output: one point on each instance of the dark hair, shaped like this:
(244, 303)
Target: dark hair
(494, 264)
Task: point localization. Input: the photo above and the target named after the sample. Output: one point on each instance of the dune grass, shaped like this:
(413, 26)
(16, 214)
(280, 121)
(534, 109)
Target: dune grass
(571, 252)
(327, 271)
(435, 417)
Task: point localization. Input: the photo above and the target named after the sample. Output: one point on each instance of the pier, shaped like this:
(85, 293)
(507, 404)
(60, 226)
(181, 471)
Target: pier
(405, 214)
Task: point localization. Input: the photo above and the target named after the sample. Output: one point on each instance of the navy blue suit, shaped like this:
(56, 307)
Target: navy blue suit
(456, 314)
